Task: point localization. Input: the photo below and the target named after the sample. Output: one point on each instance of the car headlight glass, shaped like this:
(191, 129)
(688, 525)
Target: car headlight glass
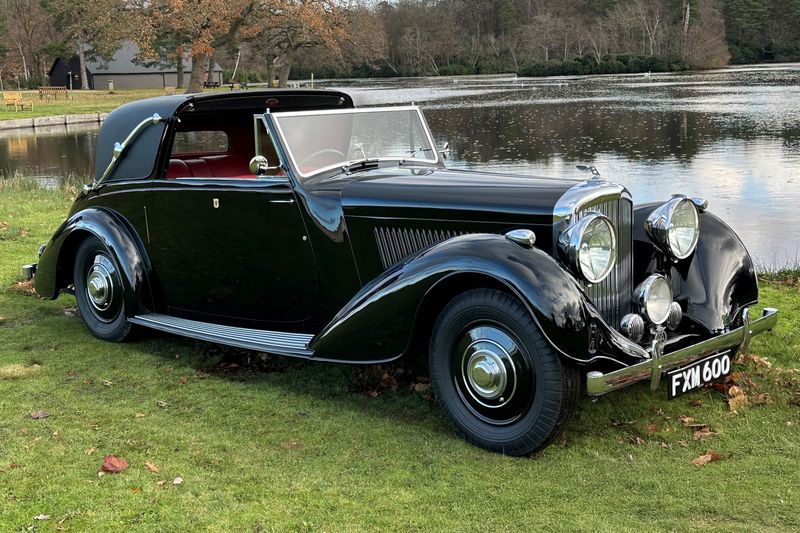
(675, 227)
(684, 229)
(654, 297)
(589, 247)
(597, 250)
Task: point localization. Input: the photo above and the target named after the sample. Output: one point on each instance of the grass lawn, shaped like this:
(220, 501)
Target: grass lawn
(82, 102)
(282, 445)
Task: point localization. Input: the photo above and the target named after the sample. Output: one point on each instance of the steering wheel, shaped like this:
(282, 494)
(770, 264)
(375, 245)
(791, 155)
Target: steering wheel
(322, 152)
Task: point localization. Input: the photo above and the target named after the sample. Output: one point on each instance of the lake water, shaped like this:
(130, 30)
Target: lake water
(731, 136)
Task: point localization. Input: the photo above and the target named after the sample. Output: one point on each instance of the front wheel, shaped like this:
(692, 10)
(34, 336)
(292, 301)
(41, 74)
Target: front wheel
(497, 378)
(99, 291)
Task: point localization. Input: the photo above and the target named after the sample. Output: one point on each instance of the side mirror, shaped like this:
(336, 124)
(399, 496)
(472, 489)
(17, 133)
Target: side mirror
(260, 166)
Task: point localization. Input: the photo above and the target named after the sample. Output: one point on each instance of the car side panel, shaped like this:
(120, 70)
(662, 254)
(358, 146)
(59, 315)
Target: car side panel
(377, 324)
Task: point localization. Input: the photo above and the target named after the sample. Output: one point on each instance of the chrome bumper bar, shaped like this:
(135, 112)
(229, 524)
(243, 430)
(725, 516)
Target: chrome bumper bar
(598, 383)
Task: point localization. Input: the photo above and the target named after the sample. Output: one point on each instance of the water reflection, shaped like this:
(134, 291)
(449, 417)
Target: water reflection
(732, 136)
(49, 151)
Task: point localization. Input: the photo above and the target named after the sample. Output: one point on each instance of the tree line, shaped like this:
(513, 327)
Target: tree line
(265, 40)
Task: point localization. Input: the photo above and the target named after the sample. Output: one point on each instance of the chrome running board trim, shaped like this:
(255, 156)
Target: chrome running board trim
(276, 342)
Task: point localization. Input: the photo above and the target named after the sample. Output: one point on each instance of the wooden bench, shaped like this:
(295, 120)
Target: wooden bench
(14, 99)
(211, 85)
(52, 92)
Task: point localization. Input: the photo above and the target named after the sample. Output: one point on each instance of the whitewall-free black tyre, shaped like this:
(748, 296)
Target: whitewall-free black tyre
(497, 378)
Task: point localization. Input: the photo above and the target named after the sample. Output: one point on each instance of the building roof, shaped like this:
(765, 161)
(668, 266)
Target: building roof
(123, 63)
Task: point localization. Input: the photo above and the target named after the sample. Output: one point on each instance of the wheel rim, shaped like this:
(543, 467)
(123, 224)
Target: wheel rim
(100, 281)
(492, 373)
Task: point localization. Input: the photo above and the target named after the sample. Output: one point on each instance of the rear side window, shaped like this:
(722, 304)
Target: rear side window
(200, 142)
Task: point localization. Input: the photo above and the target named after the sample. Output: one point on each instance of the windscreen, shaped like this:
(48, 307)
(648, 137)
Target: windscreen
(318, 141)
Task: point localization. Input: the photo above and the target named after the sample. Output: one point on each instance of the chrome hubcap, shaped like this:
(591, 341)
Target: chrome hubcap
(99, 287)
(492, 373)
(489, 373)
(486, 374)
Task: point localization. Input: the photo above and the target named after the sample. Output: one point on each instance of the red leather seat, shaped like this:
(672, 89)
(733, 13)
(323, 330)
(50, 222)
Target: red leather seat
(178, 169)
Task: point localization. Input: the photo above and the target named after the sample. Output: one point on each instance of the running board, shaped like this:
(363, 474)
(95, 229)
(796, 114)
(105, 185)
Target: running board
(275, 342)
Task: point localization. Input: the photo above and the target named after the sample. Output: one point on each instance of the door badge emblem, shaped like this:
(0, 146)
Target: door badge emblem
(216, 203)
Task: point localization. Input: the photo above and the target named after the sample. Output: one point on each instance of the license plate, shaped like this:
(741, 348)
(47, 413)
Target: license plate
(698, 374)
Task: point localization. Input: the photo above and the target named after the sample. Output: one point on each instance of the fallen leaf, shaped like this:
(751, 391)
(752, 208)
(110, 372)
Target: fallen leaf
(630, 457)
(373, 393)
(696, 403)
(42, 517)
(88, 451)
(177, 481)
(88, 381)
(151, 467)
(686, 420)
(638, 441)
(706, 458)
(761, 399)
(136, 490)
(652, 429)
(37, 415)
(161, 403)
(140, 415)
(292, 445)
(737, 399)
(683, 443)
(184, 380)
(161, 483)
(703, 433)
(113, 464)
(664, 445)
(107, 382)
(13, 466)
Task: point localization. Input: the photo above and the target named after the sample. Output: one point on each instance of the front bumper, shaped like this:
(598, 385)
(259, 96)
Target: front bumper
(598, 383)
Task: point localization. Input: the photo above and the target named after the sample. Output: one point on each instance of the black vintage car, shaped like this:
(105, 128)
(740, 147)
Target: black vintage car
(290, 222)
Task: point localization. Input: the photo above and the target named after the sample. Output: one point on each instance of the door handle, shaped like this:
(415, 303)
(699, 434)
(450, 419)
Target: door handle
(289, 201)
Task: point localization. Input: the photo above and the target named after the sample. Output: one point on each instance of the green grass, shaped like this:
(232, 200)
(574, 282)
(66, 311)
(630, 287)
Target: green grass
(301, 447)
(81, 102)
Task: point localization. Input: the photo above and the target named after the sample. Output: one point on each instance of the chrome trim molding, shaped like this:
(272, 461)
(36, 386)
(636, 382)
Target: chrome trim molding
(119, 148)
(276, 342)
(598, 383)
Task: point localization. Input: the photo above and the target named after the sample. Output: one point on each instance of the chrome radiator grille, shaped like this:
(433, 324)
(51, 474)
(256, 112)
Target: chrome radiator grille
(612, 296)
(395, 244)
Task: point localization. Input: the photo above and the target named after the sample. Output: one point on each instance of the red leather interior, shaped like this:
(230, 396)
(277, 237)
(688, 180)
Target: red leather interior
(212, 166)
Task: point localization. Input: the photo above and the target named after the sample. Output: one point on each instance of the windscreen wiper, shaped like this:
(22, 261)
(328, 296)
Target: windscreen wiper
(359, 165)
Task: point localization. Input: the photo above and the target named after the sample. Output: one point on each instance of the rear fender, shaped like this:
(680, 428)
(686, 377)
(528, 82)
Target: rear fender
(54, 271)
(379, 321)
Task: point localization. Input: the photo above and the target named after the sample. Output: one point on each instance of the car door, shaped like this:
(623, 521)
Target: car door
(231, 249)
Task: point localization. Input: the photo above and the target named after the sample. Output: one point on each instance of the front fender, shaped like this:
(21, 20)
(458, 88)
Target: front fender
(379, 321)
(715, 283)
(54, 271)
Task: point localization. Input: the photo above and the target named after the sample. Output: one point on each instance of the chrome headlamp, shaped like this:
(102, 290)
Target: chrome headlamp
(589, 247)
(653, 297)
(675, 227)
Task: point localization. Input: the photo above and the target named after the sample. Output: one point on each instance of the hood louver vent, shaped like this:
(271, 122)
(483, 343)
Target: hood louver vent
(395, 244)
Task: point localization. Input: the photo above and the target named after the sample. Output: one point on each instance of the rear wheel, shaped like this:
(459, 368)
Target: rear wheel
(497, 378)
(99, 291)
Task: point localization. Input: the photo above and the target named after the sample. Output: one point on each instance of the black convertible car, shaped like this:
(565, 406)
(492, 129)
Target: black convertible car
(290, 222)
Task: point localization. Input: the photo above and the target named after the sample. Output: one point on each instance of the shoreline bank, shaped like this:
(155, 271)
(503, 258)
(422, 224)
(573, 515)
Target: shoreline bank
(55, 120)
